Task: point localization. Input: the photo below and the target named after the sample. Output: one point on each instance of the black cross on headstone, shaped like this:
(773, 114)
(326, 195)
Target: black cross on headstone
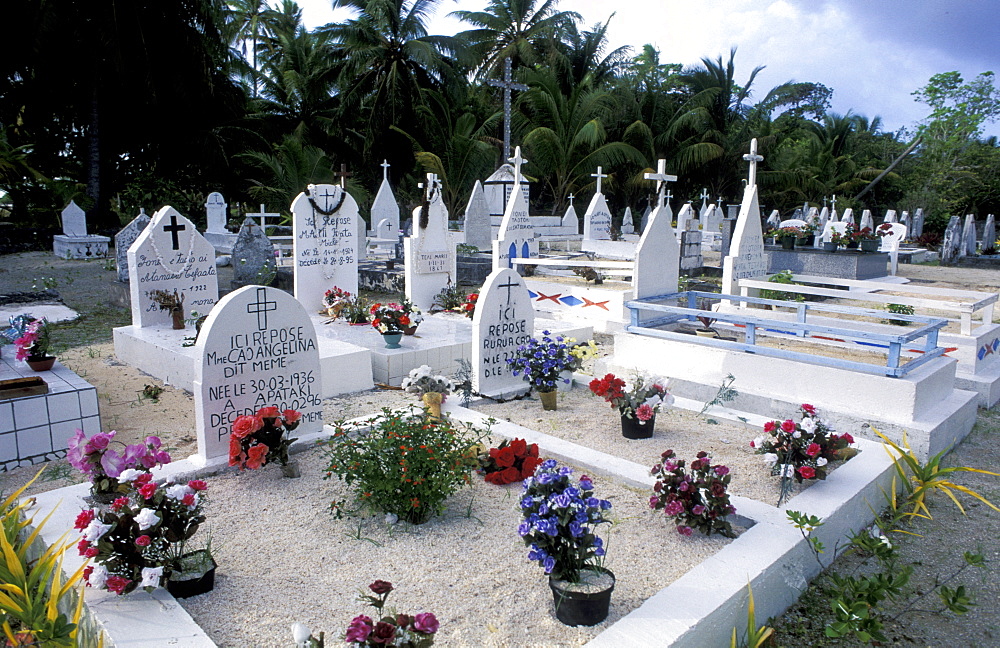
(173, 228)
(325, 196)
(508, 286)
(261, 306)
(343, 175)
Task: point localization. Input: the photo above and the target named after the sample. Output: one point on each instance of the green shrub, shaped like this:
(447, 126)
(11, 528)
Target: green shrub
(407, 463)
(783, 277)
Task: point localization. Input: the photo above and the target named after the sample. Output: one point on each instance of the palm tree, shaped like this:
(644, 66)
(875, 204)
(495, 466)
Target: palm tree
(280, 175)
(580, 55)
(243, 28)
(520, 30)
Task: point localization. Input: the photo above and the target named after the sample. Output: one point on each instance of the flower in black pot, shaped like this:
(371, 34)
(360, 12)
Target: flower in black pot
(559, 527)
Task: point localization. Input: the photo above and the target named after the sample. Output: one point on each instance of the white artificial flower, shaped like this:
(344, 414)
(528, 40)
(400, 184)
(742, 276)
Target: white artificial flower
(808, 424)
(821, 461)
(178, 491)
(129, 475)
(789, 470)
(653, 401)
(151, 576)
(95, 530)
(796, 434)
(668, 399)
(300, 635)
(759, 442)
(770, 457)
(423, 371)
(391, 518)
(98, 577)
(147, 518)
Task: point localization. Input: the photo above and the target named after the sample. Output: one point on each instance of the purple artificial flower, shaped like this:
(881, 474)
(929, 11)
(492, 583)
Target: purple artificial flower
(673, 508)
(99, 442)
(721, 471)
(154, 442)
(76, 453)
(133, 454)
(112, 463)
(697, 509)
(549, 564)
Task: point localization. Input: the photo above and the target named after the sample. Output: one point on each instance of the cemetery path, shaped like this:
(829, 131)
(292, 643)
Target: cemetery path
(85, 346)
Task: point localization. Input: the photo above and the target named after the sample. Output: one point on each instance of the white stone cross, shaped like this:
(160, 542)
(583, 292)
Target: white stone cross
(753, 159)
(833, 202)
(704, 196)
(824, 201)
(718, 203)
(263, 215)
(661, 178)
(571, 197)
(599, 176)
(385, 169)
(518, 161)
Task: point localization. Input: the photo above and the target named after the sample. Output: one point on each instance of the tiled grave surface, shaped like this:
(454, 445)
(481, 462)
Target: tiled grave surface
(37, 428)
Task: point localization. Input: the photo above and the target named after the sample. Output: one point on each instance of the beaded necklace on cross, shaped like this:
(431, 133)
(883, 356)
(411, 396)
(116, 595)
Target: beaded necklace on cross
(329, 269)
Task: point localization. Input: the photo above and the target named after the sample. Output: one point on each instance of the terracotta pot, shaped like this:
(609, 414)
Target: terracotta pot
(412, 330)
(433, 402)
(177, 317)
(633, 428)
(549, 400)
(576, 608)
(41, 364)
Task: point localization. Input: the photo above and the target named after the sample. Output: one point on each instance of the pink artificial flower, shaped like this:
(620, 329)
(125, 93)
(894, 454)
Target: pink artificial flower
(673, 508)
(291, 416)
(76, 453)
(698, 509)
(162, 457)
(112, 463)
(85, 517)
(133, 454)
(426, 623)
(197, 484)
(153, 442)
(684, 530)
(807, 472)
(770, 426)
(788, 426)
(359, 629)
(809, 409)
(721, 471)
(847, 437)
(644, 412)
(813, 449)
(117, 584)
(143, 541)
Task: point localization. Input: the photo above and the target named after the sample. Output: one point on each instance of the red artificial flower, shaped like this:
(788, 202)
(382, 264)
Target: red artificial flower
(82, 547)
(813, 449)
(147, 490)
(188, 500)
(257, 456)
(519, 447)
(143, 541)
(809, 409)
(244, 426)
(197, 484)
(144, 478)
(788, 426)
(291, 416)
(504, 457)
(268, 412)
(383, 633)
(847, 437)
(235, 451)
(404, 320)
(510, 475)
(529, 465)
(807, 472)
(119, 504)
(769, 427)
(381, 587)
(117, 584)
(85, 517)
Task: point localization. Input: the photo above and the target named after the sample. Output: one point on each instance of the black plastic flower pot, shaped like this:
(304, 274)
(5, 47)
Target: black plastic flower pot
(183, 584)
(581, 608)
(633, 428)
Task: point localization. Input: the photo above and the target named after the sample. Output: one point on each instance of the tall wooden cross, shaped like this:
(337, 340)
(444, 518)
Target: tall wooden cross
(385, 169)
(343, 174)
(173, 228)
(599, 177)
(662, 179)
(753, 159)
(518, 161)
(507, 84)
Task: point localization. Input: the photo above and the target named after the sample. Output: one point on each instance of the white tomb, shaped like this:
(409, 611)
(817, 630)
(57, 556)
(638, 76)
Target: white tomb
(326, 242)
(628, 227)
(746, 251)
(385, 207)
(597, 218)
(429, 254)
(74, 242)
(503, 321)
(217, 215)
(516, 239)
(256, 349)
(570, 221)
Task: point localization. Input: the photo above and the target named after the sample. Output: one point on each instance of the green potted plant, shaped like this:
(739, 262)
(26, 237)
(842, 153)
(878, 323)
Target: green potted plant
(540, 362)
(638, 406)
(787, 236)
(560, 519)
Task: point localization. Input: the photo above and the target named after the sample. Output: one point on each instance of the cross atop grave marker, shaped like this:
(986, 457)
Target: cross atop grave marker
(753, 159)
(518, 161)
(343, 174)
(429, 186)
(599, 177)
(571, 197)
(507, 84)
(824, 201)
(173, 228)
(508, 286)
(263, 216)
(261, 307)
(833, 202)
(704, 197)
(385, 169)
(718, 203)
(661, 178)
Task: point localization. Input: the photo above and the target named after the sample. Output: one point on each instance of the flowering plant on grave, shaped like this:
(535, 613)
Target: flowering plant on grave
(642, 400)
(697, 499)
(392, 630)
(541, 362)
(885, 229)
(139, 539)
(104, 465)
(389, 318)
(413, 312)
(581, 351)
(801, 450)
(511, 461)
(468, 306)
(334, 301)
(258, 439)
(402, 462)
(559, 522)
(34, 342)
(864, 234)
(421, 381)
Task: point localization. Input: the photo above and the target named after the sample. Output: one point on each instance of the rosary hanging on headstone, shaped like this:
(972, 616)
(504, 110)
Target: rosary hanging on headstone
(325, 212)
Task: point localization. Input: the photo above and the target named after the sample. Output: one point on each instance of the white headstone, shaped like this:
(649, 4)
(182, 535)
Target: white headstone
(504, 320)
(746, 258)
(385, 230)
(951, 248)
(890, 216)
(657, 257)
(124, 240)
(597, 220)
(969, 235)
(824, 216)
(325, 230)
(774, 220)
(74, 220)
(645, 217)
(571, 220)
(905, 220)
(478, 230)
(918, 223)
(385, 207)
(848, 217)
(713, 219)
(215, 212)
(170, 254)
(867, 220)
(812, 216)
(686, 214)
(256, 349)
(429, 254)
(628, 227)
(989, 235)
(516, 239)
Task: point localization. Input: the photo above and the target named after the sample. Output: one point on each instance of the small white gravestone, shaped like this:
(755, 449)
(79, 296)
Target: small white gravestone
(429, 254)
(685, 215)
(645, 217)
(746, 251)
(170, 254)
(890, 216)
(969, 235)
(904, 218)
(570, 220)
(478, 231)
(848, 217)
(867, 220)
(774, 220)
(256, 349)
(597, 218)
(74, 242)
(215, 213)
(504, 320)
(657, 257)
(516, 239)
(989, 235)
(74, 220)
(824, 216)
(713, 219)
(124, 240)
(918, 223)
(385, 206)
(362, 238)
(628, 227)
(325, 231)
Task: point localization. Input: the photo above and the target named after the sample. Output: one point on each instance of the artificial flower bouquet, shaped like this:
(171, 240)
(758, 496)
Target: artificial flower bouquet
(641, 401)
(697, 498)
(788, 232)
(389, 318)
(865, 234)
(258, 439)
(96, 458)
(511, 461)
(389, 630)
(885, 229)
(581, 351)
(334, 302)
(541, 361)
(468, 306)
(560, 519)
(801, 450)
(413, 312)
(421, 380)
(34, 342)
(139, 539)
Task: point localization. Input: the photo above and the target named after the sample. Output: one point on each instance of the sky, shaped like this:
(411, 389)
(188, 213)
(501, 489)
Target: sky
(872, 53)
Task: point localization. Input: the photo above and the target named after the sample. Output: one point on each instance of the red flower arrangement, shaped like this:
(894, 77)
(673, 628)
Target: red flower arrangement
(260, 438)
(468, 307)
(511, 461)
(696, 499)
